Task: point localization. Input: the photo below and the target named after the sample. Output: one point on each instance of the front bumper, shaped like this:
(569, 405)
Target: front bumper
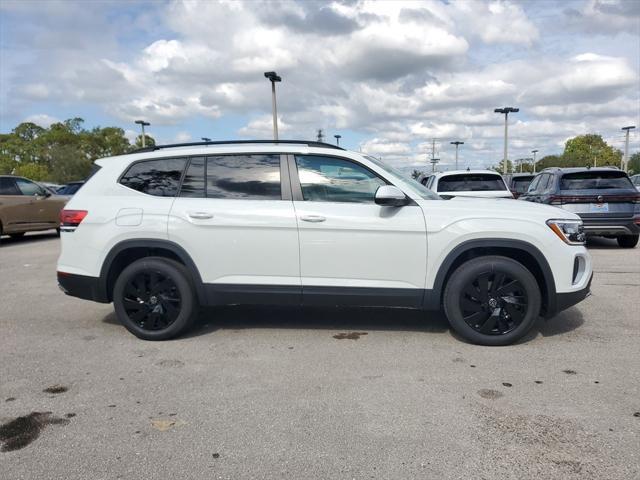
(569, 299)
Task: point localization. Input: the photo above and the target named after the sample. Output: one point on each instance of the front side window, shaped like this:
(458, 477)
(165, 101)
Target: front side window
(471, 182)
(8, 186)
(328, 179)
(29, 188)
(534, 184)
(160, 178)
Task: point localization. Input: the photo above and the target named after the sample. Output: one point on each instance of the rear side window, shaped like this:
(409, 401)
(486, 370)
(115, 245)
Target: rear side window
(8, 186)
(471, 182)
(160, 178)
(595, 180)
(241, 177)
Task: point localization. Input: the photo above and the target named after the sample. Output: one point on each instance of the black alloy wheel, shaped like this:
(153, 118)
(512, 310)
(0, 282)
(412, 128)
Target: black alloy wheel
(154, 298)
(492, 300)
(493, 303)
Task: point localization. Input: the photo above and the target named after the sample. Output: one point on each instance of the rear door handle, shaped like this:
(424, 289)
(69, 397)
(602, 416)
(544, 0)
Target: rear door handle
(313, 218)
(200, 215)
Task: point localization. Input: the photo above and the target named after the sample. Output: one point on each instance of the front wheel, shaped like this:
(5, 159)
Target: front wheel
(627, 241)
(154, 298)
(492, 300)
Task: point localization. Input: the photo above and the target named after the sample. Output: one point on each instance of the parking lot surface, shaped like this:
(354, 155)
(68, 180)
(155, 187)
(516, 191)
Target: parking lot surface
(299, 393)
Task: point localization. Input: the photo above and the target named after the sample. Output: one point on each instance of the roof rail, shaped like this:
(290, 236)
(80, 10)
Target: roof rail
(239, 142)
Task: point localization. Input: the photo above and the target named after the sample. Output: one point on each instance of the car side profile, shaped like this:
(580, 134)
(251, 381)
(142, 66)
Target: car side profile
(165, 230)
(469, 183)
(604, 198)
(26, 206)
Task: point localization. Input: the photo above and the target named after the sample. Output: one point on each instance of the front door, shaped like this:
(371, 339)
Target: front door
(353, 251)
(234, 216)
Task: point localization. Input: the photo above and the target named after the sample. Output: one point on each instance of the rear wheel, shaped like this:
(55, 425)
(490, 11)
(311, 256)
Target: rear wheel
(627, 241)
(492, 300)
(155, 299)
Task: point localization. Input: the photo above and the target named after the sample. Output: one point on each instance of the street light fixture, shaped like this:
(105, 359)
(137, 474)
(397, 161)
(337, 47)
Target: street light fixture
(625, 160)
(143, 124)
(456, 143)
(273, 78)
(338, 137)
(506, 111)
(534, 160)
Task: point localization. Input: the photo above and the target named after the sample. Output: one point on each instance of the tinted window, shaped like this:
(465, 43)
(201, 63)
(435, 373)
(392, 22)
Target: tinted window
(470, 182)
(155, 177)
(534, 184)
(29, 188)
(594, 180)
(193, 183)
(521, 184)
(8, 186)
(548, 184)
(636, 180)
(327, 179)
(254, 177)
(69, 189)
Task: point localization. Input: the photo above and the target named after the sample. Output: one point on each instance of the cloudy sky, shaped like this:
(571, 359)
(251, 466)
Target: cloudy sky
(387, 76)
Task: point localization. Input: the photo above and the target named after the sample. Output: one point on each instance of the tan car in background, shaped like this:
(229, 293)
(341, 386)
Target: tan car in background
(26, 206)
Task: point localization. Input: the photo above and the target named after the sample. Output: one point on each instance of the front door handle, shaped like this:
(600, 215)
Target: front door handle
(313, 218)
(200, 215)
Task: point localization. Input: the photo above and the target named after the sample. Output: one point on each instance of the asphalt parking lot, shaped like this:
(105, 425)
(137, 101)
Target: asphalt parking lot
(272, 393)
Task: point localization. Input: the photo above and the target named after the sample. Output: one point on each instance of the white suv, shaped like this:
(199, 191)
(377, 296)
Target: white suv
(164, 230)
(468, 183)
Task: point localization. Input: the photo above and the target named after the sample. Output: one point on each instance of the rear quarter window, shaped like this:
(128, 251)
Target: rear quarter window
(594, 180)
(471, 182)
(160, 178)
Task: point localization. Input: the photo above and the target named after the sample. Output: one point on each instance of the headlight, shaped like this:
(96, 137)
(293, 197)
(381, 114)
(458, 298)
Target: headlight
(569, 231)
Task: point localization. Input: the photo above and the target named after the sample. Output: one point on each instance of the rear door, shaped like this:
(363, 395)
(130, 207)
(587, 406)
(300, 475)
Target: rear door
(40, 212)
(353, 251)
(14, 206)
(235, 217)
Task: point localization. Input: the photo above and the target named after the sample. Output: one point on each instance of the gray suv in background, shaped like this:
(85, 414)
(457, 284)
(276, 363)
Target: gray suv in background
(604, 198)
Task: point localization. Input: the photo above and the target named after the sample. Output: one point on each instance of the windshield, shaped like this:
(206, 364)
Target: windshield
(594, 180)
(416, 186)
(471, 182)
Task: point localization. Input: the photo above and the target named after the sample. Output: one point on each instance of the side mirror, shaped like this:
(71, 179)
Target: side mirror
(390, 196)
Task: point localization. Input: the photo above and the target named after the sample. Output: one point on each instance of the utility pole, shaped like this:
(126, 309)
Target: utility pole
(456, 143)
(433, 160)
(337, 137)
(534, 160)
(273, 78)
(625, 159)
(320, 135)
(142, 123)
(506, 111)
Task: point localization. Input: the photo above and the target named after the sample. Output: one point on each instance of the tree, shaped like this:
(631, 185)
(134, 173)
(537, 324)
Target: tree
(499, 168)
(549, 161)
(634, 164)
(590, 150)
(34, 171)
(149, 141)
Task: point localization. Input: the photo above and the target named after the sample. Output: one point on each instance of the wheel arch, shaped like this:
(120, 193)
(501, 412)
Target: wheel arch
(128, 251)
(523, 252)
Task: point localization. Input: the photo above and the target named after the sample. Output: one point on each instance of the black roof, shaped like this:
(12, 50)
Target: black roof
(240, 142)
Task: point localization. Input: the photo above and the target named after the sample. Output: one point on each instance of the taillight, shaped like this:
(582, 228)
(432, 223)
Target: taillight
(555, 200)
(72, 218)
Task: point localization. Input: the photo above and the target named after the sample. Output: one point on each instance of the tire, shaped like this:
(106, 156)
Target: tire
(627, 241)
(17, 235)
(492, 300)
(154, 298)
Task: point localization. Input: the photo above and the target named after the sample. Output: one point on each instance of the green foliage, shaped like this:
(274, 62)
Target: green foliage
(148, 141)
(61, 153)
(634, 163)
(498, 168)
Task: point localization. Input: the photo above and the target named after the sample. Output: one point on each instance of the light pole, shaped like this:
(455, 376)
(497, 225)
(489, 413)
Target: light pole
(273, 78)
(434, 161)
(338, 137)
(534, 160)
(143, 124)
(456, 143)
(205, 139)
(506, 111)
(625, 160)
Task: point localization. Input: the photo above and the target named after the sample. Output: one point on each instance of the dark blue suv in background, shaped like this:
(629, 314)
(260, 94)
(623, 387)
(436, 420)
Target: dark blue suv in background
(604, 198)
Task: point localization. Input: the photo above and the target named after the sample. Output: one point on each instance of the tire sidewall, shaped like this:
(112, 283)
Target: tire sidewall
(490, 264)
(180, 277)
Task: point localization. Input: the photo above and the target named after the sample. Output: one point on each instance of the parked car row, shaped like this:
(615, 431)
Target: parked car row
(605, 198)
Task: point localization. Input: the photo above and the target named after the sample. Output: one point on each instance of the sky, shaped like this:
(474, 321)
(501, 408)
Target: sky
(388, 76)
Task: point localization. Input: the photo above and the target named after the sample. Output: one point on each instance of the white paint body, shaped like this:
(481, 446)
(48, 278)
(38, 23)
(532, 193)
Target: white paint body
(269, 243)
(434, 184)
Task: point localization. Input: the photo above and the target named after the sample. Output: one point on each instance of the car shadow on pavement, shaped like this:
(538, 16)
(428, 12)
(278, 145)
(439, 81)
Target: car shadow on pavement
(7, 241)
(601, 243)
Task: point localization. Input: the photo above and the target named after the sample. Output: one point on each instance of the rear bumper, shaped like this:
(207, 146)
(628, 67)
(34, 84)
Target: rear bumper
(566, 300)
(611, 226)
(81, 286)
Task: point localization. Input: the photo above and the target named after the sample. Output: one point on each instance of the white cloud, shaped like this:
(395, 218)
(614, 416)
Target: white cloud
(42, 119)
